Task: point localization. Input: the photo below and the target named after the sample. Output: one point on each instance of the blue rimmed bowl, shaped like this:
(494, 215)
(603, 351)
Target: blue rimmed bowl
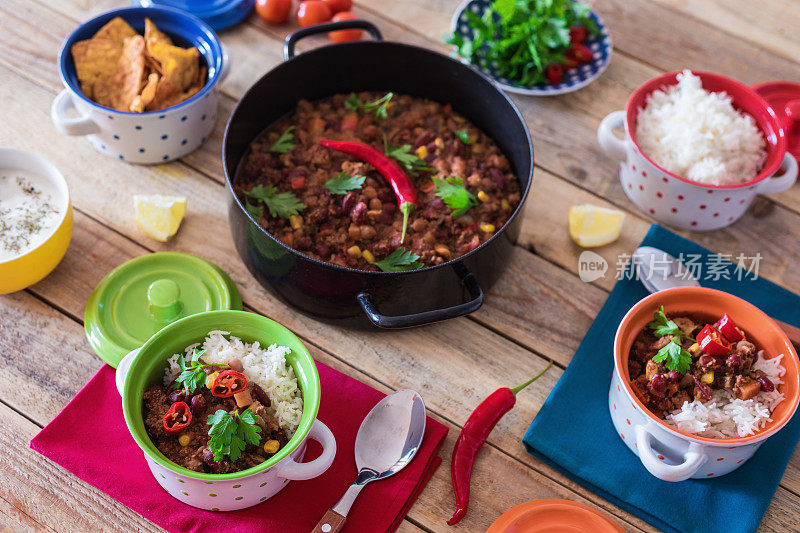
(154, 136)
(574, 79)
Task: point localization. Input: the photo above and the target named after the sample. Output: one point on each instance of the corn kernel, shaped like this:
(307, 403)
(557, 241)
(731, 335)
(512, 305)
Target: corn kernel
(695, 350)
(442, 250)
(354, 251)
(505, 205)
(708, 377)
(438, 142)
(296, 221)
(422, 152)
(210, 378)
(272, 446)
(482, 196)
(184, 440)
(486, 228)
(366, 254)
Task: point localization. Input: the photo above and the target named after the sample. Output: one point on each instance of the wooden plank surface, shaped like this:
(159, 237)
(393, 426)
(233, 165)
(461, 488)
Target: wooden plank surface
(539, 310)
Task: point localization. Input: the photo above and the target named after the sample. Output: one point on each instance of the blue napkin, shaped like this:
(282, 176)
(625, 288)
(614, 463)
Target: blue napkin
(573, 431)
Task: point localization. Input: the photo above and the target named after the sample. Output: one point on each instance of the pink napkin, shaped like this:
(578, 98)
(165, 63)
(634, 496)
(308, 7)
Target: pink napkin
(111, 461)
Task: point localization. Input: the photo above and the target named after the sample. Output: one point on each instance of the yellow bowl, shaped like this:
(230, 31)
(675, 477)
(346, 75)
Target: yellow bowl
(22, 271)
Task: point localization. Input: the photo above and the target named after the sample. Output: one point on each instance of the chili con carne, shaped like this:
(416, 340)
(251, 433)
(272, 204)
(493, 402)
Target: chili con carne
(475, 432)
(728, 328)
(177, 418)
(401, 185)
(228, 383)
(712, 342)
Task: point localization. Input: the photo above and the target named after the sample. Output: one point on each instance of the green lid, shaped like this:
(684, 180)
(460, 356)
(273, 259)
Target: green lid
(138, 298)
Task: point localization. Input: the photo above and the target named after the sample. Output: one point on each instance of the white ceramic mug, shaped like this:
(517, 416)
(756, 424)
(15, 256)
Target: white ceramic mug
(676, 201)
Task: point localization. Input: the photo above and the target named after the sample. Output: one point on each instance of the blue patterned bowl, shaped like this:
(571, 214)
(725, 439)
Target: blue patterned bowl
(574, 79)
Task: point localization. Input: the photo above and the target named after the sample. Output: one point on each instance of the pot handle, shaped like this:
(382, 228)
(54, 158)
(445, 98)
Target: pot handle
(693, 459)
(292, 39)
(291, 469)
(122, 370)
(427, 317)
(612, 144)
(780, 181)
(82, 125)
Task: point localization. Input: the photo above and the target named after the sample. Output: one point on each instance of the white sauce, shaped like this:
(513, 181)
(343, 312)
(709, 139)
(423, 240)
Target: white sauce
(30, 209)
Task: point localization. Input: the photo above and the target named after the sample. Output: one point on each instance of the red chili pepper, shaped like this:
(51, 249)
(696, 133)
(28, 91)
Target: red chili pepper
(178, 417)
(228, 383)
(475, 432)
(577, 34)
(712, 342)
(728, 328)
(555, 73)
(580, 53)
(401, 185)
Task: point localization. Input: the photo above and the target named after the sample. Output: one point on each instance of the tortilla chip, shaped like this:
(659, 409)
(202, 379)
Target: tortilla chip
(153, 35)
(141, 101)
(95, 61)
(178, 65)
(168, 95)
(119, 90)
(116, 30)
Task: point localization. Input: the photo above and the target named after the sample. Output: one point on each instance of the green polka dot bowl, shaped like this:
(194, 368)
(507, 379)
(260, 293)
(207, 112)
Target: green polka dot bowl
(145, 366)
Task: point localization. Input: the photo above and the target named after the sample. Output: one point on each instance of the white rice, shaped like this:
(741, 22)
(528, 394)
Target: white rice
(725, 417)
(699, 135)
(265, 366)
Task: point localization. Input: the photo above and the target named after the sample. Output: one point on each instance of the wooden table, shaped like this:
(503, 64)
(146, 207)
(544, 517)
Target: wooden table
(539, 310)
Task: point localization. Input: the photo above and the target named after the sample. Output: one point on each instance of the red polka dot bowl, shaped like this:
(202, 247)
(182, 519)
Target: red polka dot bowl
(665, 451)
(676, 201)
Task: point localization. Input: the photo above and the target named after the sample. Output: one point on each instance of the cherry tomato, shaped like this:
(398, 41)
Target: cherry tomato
(555, 73)
(580, 53)
(313, 12)
(274, 11)
(577, 34)
(338, 6)
(343, 36)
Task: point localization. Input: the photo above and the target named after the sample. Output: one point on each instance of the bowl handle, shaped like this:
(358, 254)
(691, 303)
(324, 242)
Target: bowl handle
(427, 317)
(82, 125)
(780, 181)
(226, 63)
(122, 370)
(693, 459)
(612, 144)
(291, 469)
(291, 40)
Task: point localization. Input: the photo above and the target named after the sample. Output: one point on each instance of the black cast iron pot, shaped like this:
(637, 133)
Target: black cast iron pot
(354, 297)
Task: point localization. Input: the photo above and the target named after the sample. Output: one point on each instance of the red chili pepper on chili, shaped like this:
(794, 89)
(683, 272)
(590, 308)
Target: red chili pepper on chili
(728, 328)
(712, 342)
(403, 189)
(475, 432)
(228, 383)
(177, 418)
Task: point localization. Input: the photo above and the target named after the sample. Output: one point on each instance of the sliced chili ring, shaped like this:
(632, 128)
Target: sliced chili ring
(228, 383)
(728, 328)
(178, 417)
(712, 342)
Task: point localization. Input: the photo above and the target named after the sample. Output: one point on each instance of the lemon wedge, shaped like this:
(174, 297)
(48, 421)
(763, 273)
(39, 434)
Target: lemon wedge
(591, 225)
(159, 216)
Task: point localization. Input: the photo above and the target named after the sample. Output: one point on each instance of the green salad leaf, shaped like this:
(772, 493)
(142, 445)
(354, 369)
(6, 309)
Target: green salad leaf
(285, 142)
(455, 195)
(280, 204)
(231, 431)
(399, 261)
(344, 182)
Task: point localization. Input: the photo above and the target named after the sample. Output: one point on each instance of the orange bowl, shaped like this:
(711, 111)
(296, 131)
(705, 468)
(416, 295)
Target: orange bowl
(759, 328)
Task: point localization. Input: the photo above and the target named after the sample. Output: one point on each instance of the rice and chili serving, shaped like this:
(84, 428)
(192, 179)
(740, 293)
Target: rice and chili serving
(378, 181)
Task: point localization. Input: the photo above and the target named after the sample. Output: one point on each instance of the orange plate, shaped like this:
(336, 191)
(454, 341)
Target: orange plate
(553, 516)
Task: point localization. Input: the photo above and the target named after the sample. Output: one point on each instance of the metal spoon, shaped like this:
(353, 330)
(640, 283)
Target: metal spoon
(657, 270)
(387, 440)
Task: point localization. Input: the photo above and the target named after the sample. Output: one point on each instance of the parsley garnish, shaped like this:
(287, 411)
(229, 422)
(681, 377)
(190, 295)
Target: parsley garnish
(464, 136)
(344, 182)
(403, 155)
(280, 204)
(662, 326)
(284, 142)
(231, 432)
(455, 195)
(674, 356)
(192, 375)
(398, 261)
(376, 106)
(256, 211)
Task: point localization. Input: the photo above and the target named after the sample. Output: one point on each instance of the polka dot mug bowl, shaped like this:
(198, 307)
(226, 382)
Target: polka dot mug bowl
(154, 136)
(671, 454)
(225, 492)
(676, 201)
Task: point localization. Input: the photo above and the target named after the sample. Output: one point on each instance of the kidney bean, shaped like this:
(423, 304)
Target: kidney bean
(318, 215)
(734, 362)
(358, 213)
(424, 138)
(386, 217)
(198, 404)
(178, 396)
(322, 250)
(766, 384)
(658, 385)
(386, 197)
(674, 376)
(261, 396)
(498, 178)
(348, 202)
(303, 243)
(707, 361)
